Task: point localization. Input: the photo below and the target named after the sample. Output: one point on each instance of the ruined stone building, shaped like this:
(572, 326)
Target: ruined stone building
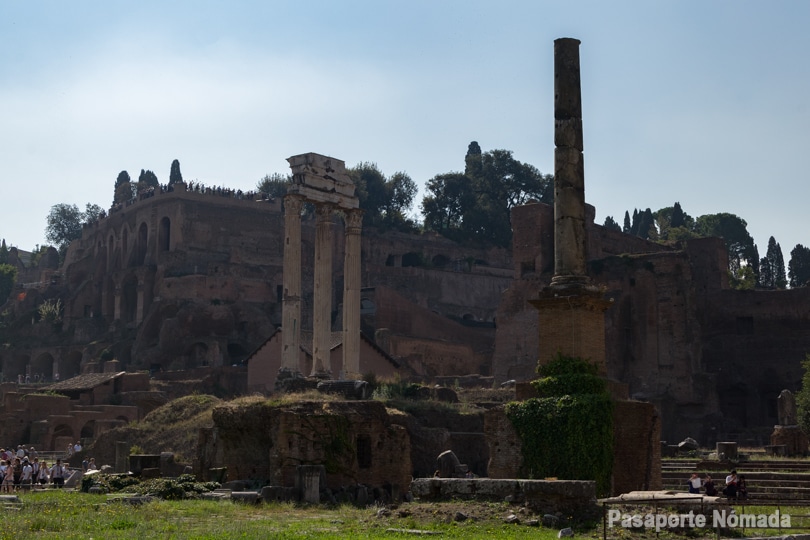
(712, 359)
(187, 281)
(183, 280)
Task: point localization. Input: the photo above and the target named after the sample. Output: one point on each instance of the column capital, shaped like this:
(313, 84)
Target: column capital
(353, 220)
(323, 211)
(293, 203)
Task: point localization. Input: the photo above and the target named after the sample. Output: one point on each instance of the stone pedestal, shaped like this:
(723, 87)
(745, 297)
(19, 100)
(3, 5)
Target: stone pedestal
(726, 451)
(572, 323)
(309, 482)
(121, 456)
(792, 438)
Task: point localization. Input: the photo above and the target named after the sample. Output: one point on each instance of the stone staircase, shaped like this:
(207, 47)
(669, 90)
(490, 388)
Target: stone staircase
(769, 481)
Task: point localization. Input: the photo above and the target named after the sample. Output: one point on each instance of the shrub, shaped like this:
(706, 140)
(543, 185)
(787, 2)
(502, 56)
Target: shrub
(568, 431)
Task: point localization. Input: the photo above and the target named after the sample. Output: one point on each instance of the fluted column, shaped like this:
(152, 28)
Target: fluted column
(291, 300)
(322, 323)
(351, 294)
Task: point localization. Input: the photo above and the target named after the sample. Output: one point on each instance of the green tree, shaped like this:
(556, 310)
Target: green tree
(678, 218)
(626, 227)
(275, 185)
(92, 212)
(799, 266)
(124, 190)
(64, 224)
(8, 276)
(734, 231)
(175, 177)
(384, 201)
(3, 252)
(477, 205)
(803, 397)
(772, 267)
(147, 179)
(611, 224)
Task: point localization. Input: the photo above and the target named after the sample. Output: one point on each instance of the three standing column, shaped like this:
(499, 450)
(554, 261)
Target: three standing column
(351, 293)
(322, 315)
(291, 300)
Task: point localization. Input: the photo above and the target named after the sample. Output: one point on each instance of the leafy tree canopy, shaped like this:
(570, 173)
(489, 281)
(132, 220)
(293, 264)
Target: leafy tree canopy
(384, 201)
(147, 179)
(476, 205)
(8, 276)
(274, 184)
(734, 230)
(124, 189)
(772, 267)
(64, 224)
(175, 177)
(799, 266)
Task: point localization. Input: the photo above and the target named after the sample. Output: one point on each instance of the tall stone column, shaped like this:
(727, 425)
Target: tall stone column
(351, 294)
(322, 313)
(117, 300)
(569, 170)
(291, 300)
(139, 309)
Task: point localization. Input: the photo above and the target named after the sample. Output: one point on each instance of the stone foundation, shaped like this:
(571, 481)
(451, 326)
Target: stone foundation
(571, 497)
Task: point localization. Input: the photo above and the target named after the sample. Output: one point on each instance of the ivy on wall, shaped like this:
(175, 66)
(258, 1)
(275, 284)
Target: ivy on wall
(568, 431)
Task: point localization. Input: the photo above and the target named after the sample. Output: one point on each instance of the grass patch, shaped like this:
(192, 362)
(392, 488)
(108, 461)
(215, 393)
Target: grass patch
(68, 515)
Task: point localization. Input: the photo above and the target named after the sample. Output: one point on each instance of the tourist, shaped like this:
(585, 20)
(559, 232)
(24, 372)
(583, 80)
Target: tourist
(69, 450)
(43, 474)
(27, 476)
(17, 472)
(8, 478)
(730, 490)
(91, 466)
(85, 463)
(695, 483)
(58, 474)
(77, 447)
(742, 489)
(708, 485)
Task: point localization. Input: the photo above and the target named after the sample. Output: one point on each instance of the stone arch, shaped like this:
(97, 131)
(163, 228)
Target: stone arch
(111, 263)
(165, 234)
(88, 430)
(42, 365)
(71, 366)
(140, 244)
(197, 355)
(124, 246)
(61, 431)
(236, 353)
(412, 259)
(129, 298)
(15, 365)
(440, 261)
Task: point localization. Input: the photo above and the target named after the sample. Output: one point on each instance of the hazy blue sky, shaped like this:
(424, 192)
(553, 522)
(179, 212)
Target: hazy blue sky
(701, 102)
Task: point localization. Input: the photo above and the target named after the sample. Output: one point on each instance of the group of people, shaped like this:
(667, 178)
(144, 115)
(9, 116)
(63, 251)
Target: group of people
(22, 469)
(734, 487)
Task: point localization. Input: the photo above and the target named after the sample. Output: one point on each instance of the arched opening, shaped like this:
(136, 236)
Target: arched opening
(390, 260)
(164, 234)
(111, 252)
(88, 430)
(468, 317)
(124, 247)
(439, 261)
(140, 247)
(63, 432)
(197, 355)
(71, 366)
(412, 259)
(15, 367)
(236, 353)
(42, 368)
(129, 298)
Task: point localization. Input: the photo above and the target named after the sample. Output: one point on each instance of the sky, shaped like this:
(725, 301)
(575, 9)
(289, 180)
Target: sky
(705, 103)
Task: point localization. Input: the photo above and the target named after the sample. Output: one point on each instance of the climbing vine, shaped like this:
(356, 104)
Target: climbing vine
(568, 431)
